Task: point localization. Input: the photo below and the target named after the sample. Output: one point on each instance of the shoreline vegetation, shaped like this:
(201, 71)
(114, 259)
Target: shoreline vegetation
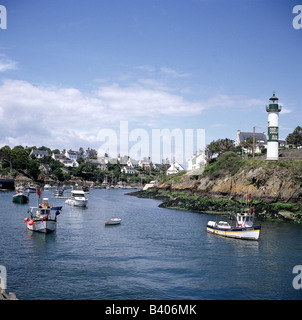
(182, 200)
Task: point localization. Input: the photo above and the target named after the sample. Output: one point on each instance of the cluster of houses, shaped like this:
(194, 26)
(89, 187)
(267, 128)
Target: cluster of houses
(196, 162)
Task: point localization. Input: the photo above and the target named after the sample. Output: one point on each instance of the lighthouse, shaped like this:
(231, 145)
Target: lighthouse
(273, 110)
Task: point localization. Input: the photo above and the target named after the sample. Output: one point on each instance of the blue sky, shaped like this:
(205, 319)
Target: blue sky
(71, 68)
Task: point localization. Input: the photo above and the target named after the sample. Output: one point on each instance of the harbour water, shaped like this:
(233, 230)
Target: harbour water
(155, 253)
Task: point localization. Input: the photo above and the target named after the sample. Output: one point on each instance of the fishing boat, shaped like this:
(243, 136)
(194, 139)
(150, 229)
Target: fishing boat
(243, 229)
(43, 218)
(113, 221)
(20, 197)
(77, 199)
(31, 189)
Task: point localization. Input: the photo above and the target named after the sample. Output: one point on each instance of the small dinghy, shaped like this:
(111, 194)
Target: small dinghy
(113, 221)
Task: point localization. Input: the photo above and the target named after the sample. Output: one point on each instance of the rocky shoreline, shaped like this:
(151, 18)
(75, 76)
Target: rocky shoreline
(188, 201)
(275, 187)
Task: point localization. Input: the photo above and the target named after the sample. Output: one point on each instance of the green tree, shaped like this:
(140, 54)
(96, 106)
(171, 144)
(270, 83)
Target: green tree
(33, 168)
(248, 144)
(5, 156)
(219, 146)
(19, 158)
(91, 153)
(56, 151)
(295, 138)
(58, 174)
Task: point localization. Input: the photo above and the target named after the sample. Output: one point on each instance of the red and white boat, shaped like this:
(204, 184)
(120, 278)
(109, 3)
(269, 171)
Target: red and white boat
(43, 218)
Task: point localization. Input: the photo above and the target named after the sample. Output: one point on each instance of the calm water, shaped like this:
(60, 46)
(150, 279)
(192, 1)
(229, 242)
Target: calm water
(155, 253)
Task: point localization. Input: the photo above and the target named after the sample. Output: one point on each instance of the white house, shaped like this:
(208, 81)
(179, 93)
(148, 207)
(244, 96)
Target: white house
(175, 168)
(74, 156)
(260, 140)
(100, 163)
(197, 161)
(63, 159)
(145, 163)
(128, 170)
(39, 153)
(132, 163)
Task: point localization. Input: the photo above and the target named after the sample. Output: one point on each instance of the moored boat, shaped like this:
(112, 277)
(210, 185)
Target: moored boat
(244, 228)
(85, 189)
(43, 218)
(46, 187)
(20, 197)
(113, 221)
(77, 199)
(58, 192)
(31, 189)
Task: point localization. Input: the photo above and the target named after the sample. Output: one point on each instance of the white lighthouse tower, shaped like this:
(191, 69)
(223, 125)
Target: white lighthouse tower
(273, 110)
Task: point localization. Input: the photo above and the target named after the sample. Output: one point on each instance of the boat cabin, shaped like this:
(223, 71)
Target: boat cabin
(77, 194)
(223, 225)
(245, 220)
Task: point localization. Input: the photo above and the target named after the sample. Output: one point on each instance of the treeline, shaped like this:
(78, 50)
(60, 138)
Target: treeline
(20, 160)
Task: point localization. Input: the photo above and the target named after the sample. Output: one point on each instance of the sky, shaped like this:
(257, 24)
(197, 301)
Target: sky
(73, 71)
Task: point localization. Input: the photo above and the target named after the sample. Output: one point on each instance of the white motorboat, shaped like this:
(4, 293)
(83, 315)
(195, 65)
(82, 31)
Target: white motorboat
(113, 221)
(77, 199)
(43, 218)
(243, 229)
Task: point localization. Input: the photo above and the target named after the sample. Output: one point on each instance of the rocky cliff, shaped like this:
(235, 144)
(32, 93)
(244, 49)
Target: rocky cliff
(276, 187)
(232, 178)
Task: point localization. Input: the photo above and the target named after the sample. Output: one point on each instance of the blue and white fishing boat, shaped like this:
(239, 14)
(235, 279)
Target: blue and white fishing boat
(243, 229)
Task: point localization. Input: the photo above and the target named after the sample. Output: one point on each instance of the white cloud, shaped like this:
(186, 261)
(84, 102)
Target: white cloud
(173, 73)
(140, 101)
(40, 115)
(68, 118)
(285, 110)
(7, 64)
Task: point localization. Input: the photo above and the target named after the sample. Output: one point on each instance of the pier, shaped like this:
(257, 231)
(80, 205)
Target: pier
(7, 184)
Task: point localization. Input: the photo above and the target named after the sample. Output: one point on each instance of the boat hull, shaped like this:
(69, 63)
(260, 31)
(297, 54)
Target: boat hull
(30, 190)
(252, 233)
(76, 203)
(20, 199)
(113, 221)
(46, 226)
